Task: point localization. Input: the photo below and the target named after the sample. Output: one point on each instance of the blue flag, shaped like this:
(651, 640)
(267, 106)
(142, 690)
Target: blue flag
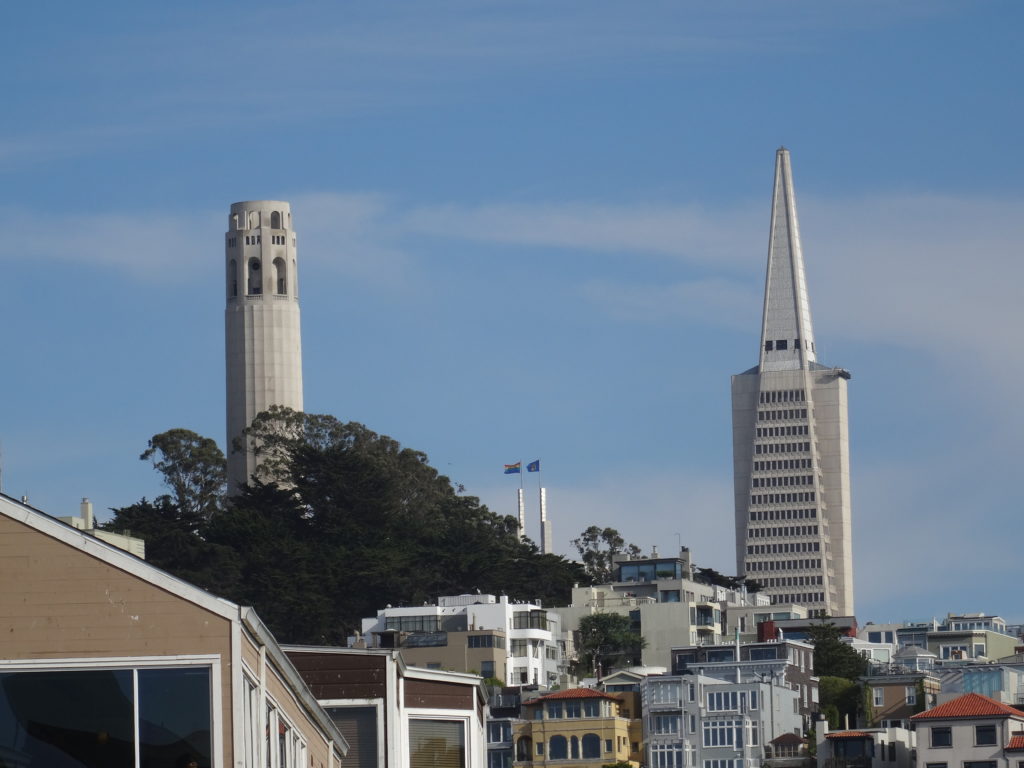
(533, 466)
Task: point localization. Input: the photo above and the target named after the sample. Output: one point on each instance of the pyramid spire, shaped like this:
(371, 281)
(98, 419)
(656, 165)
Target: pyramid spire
(787, 336)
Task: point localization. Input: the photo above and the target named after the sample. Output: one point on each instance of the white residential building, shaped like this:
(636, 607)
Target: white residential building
(971, 731)
(518, 643)
(706, 722)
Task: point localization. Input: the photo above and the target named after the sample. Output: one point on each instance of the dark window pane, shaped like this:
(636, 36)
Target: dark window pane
(174, 717)
(67, 719)
(359, 727)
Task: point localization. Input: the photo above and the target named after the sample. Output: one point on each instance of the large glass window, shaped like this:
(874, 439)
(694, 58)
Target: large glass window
(437, 743)
(87, 718)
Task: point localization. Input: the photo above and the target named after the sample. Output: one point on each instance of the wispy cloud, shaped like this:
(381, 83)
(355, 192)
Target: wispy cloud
(685, 232)
(167, 246)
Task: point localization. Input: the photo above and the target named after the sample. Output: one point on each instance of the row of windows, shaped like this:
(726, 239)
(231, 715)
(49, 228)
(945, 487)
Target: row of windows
(232, 242)
(729, 733)
(805, 597)
(522, 648)
(782, 447)
(556, 710)
(669, 692)
(781, 345)
(784, 514)
(789, 413)
(785, 548)
(785, 480)
(662, 724)
(794, 581)
(984, 736)
(731, 701)
(426, 623)
(784, 565)
(787, 530)
(782, 396)
(277, 240)
(252, 239)
(782, 498)
(561, 748)
(485, 641)
(531, 620)
(667, 756)
(783, 431)
(764, 466)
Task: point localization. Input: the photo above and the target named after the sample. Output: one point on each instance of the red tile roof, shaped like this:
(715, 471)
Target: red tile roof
(577, 693)
(1016, 743)
(848, 735)
(969, 705)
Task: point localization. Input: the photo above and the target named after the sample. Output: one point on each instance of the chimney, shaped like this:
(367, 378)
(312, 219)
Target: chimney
(85, 510)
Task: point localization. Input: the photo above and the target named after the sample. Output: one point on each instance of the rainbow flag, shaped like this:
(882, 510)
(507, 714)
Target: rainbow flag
(514, 469)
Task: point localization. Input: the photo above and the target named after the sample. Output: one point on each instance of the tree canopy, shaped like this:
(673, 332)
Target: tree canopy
(605, 641)
(833, 657)
(340, 522)
(598, 547)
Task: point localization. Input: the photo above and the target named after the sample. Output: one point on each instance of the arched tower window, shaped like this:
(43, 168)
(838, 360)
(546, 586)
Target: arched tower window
(255, 286)
(234, 221)
(591, 746)
(558, 748)
(280, 277)
(575, 748)
(275, 220)
(233, 277)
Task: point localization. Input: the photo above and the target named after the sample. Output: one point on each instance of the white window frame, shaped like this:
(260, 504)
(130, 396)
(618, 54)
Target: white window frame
(213, 661)
(378, 705)
(475, 749)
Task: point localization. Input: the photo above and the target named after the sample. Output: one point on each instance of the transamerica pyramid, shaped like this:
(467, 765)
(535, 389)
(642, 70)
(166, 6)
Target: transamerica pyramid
(791, 455)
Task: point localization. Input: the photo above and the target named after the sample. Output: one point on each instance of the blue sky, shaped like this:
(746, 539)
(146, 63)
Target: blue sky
(535, 230)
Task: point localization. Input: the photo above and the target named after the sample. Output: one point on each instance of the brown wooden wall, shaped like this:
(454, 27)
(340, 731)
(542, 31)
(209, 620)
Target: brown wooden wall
(342, 676)
(427, 693)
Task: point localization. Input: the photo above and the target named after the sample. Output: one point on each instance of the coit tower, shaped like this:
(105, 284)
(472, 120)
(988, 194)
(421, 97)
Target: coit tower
(791, 448)
(263, 347)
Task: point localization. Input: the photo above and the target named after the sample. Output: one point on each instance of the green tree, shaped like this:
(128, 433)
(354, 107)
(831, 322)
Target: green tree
(839, 698)
(598, 547)
(833, 657)
(605, 641)
(194, 470)
(173, 544)
(341, 522)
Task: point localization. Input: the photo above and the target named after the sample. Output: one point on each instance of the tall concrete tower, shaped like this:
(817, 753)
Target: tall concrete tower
(263, 347)
(791, 454)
